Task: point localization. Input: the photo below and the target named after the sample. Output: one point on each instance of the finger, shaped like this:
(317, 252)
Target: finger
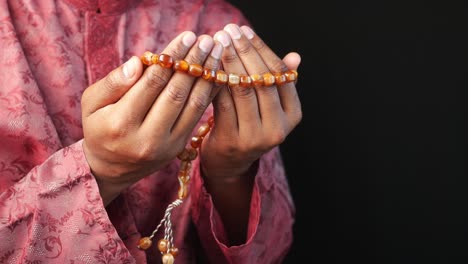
(267, 94)
(168, 106)
(201, 94)
(139, 100)
(287, 91)
(111, 88)
(244, 98)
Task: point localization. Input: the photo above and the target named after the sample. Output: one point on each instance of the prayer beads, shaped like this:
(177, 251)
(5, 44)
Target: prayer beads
(219, 77)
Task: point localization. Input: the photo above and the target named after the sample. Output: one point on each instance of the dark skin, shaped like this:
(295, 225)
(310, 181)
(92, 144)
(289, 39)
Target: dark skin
(135, 122)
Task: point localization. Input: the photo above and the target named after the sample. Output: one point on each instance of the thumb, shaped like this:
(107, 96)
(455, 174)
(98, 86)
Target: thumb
(292, 60)
(111, 88)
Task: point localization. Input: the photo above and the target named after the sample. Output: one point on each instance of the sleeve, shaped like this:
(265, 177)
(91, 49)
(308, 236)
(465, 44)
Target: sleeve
(271, 220)
(50, 207)
(54, 214)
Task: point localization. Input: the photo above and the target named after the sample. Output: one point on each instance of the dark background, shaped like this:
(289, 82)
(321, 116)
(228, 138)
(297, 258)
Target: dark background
(377, 165)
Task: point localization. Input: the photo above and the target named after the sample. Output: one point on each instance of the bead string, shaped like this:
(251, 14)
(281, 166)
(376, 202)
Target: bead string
(166, 244)
(219, 76)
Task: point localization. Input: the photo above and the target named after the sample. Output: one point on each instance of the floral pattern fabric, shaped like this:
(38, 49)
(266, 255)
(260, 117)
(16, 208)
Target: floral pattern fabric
(50, 207)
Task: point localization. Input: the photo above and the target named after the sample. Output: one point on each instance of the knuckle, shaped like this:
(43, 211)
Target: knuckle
(245, 49)
(268, 90)
(156, 78)
(278, 66)
(194, 57)
(259, 45)
(230, 58)
(179, 52)
(225, 106)
(176, 92)
(145, 153)
(198, 103)
(117, 128)
(243, 93)
(278, 137)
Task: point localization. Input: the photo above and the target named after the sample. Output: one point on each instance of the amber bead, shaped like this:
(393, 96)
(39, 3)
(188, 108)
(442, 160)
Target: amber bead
(211, 121)
(221, 77)
(185, 165)
(203, 130)
(291, 75)
(280, 78)
(183, 178)
(233, 79)
(195, 70)
(268, 79)
(163, 245)
(181, 65)
(165, 60)
(174, 251)
(187, 154)
(257, 79)
(209, 75)
(196, 142)
(168, 258)
(183, 191)
(155, 58)
(146, 58)
(245, 81)
(144, 243)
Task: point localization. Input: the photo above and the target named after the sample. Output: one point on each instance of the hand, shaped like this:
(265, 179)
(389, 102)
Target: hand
(136, 121)
(248, 121)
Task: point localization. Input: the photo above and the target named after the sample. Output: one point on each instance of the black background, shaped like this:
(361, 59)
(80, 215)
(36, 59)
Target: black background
(377, 165)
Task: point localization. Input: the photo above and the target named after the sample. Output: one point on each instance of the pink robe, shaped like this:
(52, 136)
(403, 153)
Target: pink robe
(50, 207)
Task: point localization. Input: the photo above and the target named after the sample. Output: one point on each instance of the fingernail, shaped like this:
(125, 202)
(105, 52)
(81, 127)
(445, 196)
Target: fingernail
(206, 44)
(129, 68)
(188, 39)
(223, 38)
(248, 32)
(217, 51)
(233, 30)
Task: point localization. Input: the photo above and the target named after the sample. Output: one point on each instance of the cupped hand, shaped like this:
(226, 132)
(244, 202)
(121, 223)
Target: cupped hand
(248, 121)
(136, 120)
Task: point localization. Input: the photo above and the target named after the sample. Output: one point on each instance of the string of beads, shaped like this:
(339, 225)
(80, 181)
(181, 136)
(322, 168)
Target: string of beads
(219, 76)
(166, 245)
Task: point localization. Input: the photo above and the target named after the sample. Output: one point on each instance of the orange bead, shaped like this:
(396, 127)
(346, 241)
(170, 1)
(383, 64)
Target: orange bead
(146, 58)
(268, 79)
(221, 77)
(183, 179)
(291, 75)
(257, 79)
(280, 78)
(195, 70)
(196, 142)
(168, 258)
(211, 121)
(174, 251)
(187, 154)
(183, 191)
(233, 79)
(183, 173)
(185, 166)
(154, 58)
(209, 75)
(203, 130)
(245, 81)
(165, 60)
(144, 243)
(181, 65)
(163, 245)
